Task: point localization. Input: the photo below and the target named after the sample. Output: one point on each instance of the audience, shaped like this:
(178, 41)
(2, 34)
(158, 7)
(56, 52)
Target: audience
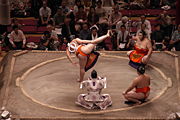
(93, 18)
(76, 20)
(17, 38)
(158, 38)
(175, 40)
(122, 38)
(45, 14)
(59, 18)
(84, 32)
(101, 12)
(81, 14)
(115, 17)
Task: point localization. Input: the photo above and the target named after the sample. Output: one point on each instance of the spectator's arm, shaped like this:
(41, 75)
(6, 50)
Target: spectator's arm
(118, 37)
(11, 40)
(41, 16)
(49, 15)
(24, 38)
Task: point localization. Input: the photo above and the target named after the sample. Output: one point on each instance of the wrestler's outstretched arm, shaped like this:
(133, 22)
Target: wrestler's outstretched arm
(69, 56)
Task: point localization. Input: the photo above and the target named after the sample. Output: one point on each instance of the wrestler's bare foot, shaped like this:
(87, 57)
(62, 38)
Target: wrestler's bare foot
(109, 32)
(138, 103)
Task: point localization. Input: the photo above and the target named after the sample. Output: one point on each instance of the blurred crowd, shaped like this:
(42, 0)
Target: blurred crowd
(89, 19)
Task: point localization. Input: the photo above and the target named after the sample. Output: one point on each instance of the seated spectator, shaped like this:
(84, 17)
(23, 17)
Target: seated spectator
(122, 38)
(64, 8)
(59, 18)
(93, 18)
(84, 32)
(17, 39)
(46, 42)
(68, 29)
(171, 3)
(54, 36)
(45, 13)
(141, 85)
(94, 99)
(76, 6)
(137, 4)
(115, 17)
(124, 21)
(144, 28)
(101, 12)
(103, 28)
(81, 14)
(158, 38)
(94, 33)
(175, 40)
(107, 3)
(146, 22)
(165, 20)
(155, 3)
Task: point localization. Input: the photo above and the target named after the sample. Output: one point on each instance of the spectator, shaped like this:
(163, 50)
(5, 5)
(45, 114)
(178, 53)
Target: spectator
(101, 12)
(53, 37)
(165, 22)
(137, 4)
(107, 3)
(59, 18)
(122, 38)
(124, 21)
(146, 22)
(81, 14)
(67, 29)
(158, 38)
(94, 99)
(175, 40)
(17, 38)
(64, 8)
(144, 28)
(94, 33)
(93, 18)
(155, 3)
(45, 13)
(115, 17)
(141, 85)
(84, 32)
(46, 43)
(76, 6)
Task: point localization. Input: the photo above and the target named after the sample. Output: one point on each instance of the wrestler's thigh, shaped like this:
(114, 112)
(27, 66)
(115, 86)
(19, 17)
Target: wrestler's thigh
(88, 48)
(135, 95)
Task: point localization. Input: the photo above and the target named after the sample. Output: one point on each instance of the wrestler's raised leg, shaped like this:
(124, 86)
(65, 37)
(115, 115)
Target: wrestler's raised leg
(100, 39)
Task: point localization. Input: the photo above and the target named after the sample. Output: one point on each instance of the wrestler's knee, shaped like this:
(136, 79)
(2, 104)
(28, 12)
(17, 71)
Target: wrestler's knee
(129, 52)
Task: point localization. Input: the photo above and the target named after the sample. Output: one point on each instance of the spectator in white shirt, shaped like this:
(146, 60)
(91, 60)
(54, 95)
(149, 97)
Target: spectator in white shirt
(146, 22)
(17, 38)
(45, 13)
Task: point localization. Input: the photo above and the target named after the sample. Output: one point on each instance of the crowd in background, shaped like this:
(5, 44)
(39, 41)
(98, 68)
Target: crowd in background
(89, 19)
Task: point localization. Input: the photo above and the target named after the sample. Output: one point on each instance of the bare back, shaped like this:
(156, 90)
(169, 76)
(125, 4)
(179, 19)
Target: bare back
(143, 81)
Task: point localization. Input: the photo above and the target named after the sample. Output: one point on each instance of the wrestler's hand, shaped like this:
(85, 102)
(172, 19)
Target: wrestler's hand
(124, 93)
(145, 59)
